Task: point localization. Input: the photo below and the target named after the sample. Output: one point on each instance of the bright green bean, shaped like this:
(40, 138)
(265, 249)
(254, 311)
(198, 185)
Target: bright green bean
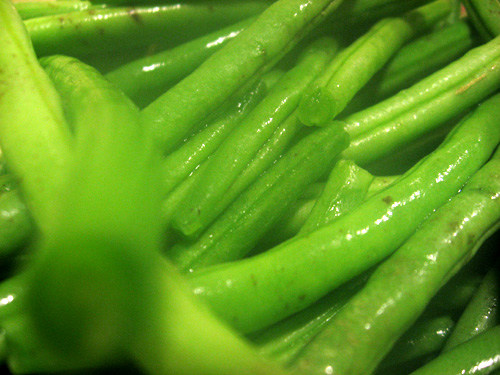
(146, 79)
(179, 164)
(345, 189)
(139, 31)
(203, 204)
(357, 339)
(172, 116)
(35, 139)
(353, 67)
(253, 293)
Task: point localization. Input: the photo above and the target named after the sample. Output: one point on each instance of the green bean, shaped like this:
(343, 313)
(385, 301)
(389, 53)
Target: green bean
(480, 314)
(357, 339)
(354, 66)
(180, 163)
(413, 62)
(425, 338)
(395, 122)
(262, 204)
(32, 9)
(203, 204)
(34, 136)
(146, 79)
(257, 48)
(345, 189)
(256, 292)
(479, 355)
(136, 30)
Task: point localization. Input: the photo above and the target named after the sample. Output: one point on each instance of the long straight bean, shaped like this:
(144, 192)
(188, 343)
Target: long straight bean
(255, 292)
(256, 49)
(183, 161)
(138, 31)
(147, 78)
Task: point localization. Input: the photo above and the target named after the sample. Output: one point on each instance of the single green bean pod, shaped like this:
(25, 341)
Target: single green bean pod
(134, 31)
(145, 79)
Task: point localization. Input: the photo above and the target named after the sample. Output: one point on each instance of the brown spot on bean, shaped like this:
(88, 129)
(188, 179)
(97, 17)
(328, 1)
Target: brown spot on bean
(388, 199)
(132, 12)
(254, 279)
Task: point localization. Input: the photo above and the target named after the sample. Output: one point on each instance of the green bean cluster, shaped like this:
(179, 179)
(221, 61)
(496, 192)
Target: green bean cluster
(249, 187)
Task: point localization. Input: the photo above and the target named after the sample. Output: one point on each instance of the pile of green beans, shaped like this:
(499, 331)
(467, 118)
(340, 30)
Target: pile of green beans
(249, 187)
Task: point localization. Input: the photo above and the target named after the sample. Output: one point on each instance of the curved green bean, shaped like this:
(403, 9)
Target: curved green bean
(171, 117)
(146, 79)
(253, 293)
(353, 67)
(138, 31)
(34, 136)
